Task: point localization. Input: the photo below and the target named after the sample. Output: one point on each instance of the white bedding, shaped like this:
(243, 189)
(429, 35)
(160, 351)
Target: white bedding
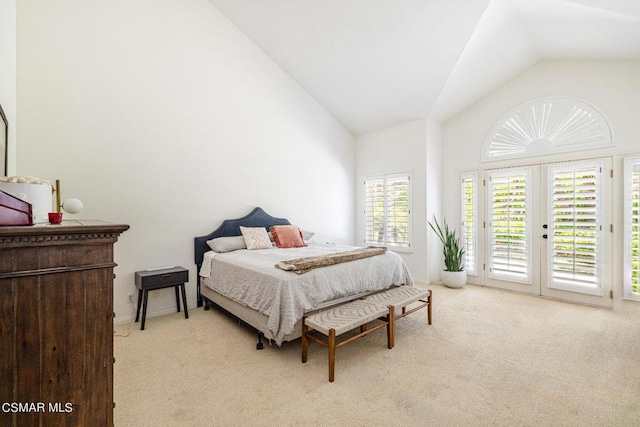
(250, 277)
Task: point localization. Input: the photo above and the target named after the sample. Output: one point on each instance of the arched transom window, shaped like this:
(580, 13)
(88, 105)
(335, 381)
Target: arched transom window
(545, 126)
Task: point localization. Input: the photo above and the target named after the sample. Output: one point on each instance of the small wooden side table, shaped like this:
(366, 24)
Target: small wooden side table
(149, 280)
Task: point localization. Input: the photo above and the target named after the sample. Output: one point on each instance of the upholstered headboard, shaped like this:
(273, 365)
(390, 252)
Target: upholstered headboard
(231, 227)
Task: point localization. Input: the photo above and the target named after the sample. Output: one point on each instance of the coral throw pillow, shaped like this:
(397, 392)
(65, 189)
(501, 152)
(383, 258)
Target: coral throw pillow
(287, 236)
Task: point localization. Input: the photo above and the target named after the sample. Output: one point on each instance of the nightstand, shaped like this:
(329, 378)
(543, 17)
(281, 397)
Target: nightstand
(150, 280)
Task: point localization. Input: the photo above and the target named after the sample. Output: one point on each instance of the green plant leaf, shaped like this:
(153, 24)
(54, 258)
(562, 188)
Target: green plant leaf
(452, 250)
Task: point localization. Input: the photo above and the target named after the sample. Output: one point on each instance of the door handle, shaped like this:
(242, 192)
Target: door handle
(544, 236)
(545, 226)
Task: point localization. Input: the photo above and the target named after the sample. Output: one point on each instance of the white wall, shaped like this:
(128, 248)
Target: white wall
(613, 87)
(434, 190)
(395, 149)
(8, 74)
(164, 116)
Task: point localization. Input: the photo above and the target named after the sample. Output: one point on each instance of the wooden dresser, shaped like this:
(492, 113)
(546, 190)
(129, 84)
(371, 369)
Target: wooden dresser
(56, 324)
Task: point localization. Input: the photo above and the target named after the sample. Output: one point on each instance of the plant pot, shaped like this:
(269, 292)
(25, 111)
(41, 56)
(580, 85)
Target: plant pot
(453, 279)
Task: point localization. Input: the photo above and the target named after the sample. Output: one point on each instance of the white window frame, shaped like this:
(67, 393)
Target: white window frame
(629, 163)
(470, 242)
(387, 177)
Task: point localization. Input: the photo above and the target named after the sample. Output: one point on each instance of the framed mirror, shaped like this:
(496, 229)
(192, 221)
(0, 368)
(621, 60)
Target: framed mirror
(4, 142)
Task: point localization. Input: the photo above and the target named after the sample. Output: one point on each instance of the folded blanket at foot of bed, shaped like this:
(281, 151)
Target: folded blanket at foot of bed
(302, 265)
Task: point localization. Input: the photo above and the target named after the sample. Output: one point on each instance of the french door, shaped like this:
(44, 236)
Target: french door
(548, 230)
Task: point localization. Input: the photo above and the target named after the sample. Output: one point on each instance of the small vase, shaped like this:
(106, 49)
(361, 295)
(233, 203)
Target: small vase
(453, 279)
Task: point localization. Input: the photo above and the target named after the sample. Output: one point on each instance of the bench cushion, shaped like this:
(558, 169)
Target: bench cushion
(346, 317)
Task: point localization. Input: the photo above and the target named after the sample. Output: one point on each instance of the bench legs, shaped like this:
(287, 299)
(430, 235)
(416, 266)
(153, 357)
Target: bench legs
(332, 354)
(425, 303)
(305, 341)
(389, 320)
(332, 343)
(391, 328)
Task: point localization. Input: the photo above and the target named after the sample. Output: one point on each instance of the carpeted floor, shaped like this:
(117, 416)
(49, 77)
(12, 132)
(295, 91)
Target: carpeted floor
(491, 358)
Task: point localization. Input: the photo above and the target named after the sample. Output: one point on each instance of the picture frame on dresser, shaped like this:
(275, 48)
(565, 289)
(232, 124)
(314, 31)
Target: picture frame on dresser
(4, 142)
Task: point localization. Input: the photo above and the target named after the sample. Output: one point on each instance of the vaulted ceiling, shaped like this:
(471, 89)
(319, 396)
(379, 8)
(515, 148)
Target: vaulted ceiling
(374, 64)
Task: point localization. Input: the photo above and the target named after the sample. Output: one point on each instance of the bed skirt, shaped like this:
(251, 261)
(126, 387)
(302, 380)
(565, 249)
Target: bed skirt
(258, 320)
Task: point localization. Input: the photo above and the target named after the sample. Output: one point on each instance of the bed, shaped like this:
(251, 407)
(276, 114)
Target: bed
(247, 284)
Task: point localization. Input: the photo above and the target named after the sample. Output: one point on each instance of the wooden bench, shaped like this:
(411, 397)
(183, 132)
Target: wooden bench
(397, 299)
(343, 318)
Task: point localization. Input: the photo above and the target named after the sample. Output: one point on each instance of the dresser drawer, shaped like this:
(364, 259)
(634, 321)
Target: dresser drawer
(161, 278)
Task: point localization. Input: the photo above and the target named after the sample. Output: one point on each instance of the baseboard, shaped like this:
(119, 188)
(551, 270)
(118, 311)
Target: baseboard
(124, 319)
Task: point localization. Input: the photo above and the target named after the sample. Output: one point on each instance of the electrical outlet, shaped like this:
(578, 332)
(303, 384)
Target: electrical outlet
(130, 297)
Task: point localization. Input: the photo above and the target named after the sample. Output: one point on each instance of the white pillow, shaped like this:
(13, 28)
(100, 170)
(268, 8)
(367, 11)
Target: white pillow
(307, 235)
(256, 237)
(227, 244)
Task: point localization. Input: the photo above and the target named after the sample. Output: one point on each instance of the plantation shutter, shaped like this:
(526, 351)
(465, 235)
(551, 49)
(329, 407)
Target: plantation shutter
(387, 210)
(374, 211)
(469, 215)
(509, 226)
(575, 229)
(631, 228)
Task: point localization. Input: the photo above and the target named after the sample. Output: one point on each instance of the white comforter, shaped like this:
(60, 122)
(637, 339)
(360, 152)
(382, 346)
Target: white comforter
(250, 277)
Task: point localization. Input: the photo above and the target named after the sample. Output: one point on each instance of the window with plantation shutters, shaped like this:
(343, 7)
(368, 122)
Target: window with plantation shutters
(509, 224)
(631, 228)
(388, 210)
(469, 215)
(575, 226)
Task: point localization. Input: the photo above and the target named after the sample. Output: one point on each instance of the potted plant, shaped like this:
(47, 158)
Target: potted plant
(453, 275)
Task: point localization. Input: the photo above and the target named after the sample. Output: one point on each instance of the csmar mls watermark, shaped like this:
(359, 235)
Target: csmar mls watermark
(26, 407)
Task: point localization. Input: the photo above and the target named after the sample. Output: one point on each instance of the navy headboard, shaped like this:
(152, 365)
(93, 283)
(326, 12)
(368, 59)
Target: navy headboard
(231, 227)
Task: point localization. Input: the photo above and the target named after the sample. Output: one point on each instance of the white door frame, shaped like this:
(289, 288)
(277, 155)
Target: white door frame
(538, 282)
(599, 293)
(531, 283)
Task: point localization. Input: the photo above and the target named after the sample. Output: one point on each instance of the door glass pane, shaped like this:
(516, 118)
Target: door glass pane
(574, 225)
(509, 225)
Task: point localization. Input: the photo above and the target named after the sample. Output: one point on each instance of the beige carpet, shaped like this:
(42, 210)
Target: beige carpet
(491, 358)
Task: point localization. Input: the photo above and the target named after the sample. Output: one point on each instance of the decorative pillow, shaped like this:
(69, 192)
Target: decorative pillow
(227, 244)
(307, 235)
(287, 236)
(256, 237)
